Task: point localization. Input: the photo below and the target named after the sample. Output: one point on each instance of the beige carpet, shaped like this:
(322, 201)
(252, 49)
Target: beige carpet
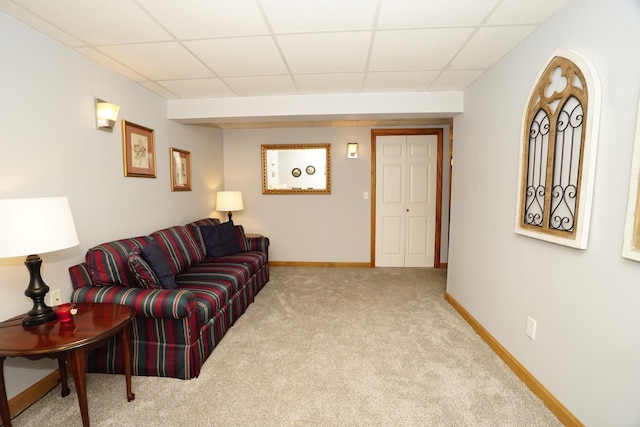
(326, 347)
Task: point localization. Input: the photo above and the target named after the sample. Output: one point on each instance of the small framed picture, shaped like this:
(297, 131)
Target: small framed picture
(180, 170)
(310, 170)
(296, 172)
(139, 150)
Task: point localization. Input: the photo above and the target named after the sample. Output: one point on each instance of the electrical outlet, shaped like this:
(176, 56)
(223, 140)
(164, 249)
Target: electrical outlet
(56, 297)
(531, 327)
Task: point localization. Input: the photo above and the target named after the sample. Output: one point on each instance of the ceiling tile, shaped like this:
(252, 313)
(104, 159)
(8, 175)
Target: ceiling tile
(197, 88)
(243, 56)
(430, 13)
(410, 50)
(38, 24)
(97, 22)
(403, 81)
(455, 79)
(206, 18)
(326, 52)
(261, 86)
(286, 16)
(159, 90)
(525, 12)
(110, 63)
(329, 83)
(150, 60)
(488, 45)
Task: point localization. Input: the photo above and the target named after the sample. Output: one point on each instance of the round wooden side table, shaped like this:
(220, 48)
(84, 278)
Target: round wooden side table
(69, 342)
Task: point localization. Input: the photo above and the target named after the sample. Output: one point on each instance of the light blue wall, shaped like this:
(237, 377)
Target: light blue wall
(586, 303)
(50, 147)
(312, 228)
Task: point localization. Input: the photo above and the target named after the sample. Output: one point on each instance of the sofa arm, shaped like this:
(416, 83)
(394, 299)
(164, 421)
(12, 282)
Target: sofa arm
(260, 244)
(157, 303)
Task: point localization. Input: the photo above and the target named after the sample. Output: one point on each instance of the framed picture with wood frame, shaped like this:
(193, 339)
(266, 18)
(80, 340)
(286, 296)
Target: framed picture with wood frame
(139, 150)
(180, 170)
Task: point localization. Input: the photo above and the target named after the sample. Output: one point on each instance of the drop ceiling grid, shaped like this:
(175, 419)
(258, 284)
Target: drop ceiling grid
(204, 48)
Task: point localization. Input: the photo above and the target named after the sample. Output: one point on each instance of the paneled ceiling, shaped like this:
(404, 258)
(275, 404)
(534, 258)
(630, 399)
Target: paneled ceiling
(241, 48)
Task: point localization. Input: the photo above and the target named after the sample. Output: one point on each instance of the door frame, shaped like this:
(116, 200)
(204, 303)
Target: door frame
(439, 132)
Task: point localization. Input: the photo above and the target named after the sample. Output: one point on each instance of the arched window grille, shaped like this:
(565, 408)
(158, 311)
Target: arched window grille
(558, 161)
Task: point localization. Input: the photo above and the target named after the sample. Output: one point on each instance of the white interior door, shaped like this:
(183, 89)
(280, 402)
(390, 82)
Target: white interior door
(406, 174)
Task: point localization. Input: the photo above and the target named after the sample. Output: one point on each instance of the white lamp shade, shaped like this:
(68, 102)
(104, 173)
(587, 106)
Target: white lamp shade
(229, 201)
(35, 226)
(106, 115)
(107, 111)
(352, 150)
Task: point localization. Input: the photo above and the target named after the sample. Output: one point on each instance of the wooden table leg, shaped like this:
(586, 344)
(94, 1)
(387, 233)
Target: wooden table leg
(62, 366)
(125, 337)
(4, 404)
(78, 364)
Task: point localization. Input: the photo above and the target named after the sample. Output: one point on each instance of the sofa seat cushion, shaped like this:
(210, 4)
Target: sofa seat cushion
(236, 274)
(213, 285)
(108, 262)
(254, 260)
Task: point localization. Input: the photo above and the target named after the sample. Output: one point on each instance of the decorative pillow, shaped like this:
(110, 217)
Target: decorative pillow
(153, 255)
(194, 229)
(142, 271)
(220, 240)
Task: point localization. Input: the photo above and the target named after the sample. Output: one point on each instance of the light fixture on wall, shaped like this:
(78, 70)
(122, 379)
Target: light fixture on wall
(106, 115)
(33, 226)
(229, 201)
(352, 150)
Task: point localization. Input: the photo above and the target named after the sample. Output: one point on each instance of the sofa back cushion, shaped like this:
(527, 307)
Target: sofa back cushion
(242, 239)
(108, 262)
(179, 247)
(80, 275)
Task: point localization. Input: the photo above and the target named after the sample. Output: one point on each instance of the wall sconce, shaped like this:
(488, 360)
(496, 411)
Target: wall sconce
(106, 115)
(352, 150)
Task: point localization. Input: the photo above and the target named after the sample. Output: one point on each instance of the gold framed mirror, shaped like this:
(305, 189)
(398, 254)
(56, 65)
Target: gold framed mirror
(296, 169)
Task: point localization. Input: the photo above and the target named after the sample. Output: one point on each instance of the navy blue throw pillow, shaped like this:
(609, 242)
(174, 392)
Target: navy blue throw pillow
(220, 240)
(153, 255)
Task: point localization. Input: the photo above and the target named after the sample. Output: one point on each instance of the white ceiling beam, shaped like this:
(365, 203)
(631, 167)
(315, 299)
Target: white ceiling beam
(318, 107)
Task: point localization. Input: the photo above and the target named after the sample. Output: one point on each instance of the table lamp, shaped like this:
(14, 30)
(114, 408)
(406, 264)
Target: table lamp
(34, 226)
(229, 201)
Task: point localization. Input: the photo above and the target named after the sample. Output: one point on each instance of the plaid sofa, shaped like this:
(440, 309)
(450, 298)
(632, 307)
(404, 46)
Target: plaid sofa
(175, 330)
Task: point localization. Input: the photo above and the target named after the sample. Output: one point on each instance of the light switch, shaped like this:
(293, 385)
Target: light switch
(365, 195)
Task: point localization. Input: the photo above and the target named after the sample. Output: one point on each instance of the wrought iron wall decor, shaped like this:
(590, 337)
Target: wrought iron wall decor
(558, 152)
